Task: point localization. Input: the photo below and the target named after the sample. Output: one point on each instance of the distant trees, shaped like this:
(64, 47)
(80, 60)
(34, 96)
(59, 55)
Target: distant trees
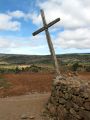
(34, 68)
(17, 70)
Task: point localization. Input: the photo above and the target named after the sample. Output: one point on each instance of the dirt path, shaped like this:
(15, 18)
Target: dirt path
(15, 108)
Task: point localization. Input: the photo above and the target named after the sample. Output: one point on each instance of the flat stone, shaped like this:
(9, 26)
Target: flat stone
(62, 101)
(24, 116)
(82, 108)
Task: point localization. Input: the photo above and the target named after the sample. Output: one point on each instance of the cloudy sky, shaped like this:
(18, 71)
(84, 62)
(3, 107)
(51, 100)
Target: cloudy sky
(20, 18)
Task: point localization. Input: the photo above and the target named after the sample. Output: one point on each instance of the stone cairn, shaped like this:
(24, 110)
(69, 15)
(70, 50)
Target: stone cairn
(69, 100)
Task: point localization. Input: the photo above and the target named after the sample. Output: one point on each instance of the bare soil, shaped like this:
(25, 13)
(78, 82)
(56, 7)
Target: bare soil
(36, 86)
(24, 83)
(26, 106)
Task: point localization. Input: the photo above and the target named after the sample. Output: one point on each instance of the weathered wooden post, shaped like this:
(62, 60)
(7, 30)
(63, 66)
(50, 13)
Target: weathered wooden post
(51, 48)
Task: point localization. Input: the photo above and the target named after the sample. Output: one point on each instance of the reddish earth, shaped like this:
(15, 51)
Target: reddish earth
(85, 75)
(24, 83)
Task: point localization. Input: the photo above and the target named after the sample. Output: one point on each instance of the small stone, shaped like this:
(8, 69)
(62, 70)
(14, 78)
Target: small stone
(66, 96)
(84, 95)
(32, 117)
(72, 111)
(82, 108)
(87, 105)
(77, 116)
(24, 116)
(60, 78)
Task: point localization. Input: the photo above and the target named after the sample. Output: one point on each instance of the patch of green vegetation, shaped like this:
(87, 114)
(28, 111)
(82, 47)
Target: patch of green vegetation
(87, 68)
(21, 63)
(4, 83)
(75, 66)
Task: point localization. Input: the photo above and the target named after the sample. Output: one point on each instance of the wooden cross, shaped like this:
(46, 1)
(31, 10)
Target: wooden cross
(51, 48)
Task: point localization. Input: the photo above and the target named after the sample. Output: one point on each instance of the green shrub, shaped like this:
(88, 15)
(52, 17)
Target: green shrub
(17, 70)
(75, 66)
(4, 84)
(88, 68)
(34, 68)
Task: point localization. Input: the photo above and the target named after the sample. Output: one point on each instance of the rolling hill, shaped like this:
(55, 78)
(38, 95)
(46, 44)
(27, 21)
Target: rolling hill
(43, 59)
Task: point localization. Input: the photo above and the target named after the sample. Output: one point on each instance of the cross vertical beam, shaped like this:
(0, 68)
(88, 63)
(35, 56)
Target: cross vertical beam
(51, 48)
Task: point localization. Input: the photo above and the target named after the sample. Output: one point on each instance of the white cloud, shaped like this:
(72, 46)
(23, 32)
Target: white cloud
(17, 42)
(36, 19)
(73, 13)
(17, 14)
(79, 38)
(23, 45)
(75, 19)
(6, 23)
(20, 14)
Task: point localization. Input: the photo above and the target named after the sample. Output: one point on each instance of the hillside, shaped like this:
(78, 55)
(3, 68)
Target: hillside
(42, 59)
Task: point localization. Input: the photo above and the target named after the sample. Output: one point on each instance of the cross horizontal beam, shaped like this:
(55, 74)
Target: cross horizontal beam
(46, 26)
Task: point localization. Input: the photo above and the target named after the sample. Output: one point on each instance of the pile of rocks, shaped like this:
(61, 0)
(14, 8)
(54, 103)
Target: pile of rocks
(69, 100)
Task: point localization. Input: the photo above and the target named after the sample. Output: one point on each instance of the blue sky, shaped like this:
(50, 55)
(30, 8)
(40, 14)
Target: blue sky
(20, 18)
